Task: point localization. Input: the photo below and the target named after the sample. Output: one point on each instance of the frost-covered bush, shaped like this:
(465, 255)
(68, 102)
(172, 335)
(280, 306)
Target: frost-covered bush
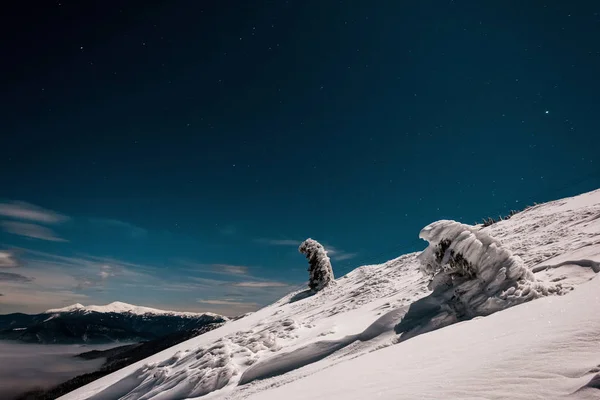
(491, 221)
(479, 275)
(319, 269)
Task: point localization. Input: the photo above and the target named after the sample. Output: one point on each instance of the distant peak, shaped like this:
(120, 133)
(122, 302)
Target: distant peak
(122, 308)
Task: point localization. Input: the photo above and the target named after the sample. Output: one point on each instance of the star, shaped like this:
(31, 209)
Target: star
(547, 112)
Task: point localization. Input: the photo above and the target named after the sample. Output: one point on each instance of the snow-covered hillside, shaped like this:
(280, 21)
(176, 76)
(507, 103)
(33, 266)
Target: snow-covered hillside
(517, 303)
(120, 307)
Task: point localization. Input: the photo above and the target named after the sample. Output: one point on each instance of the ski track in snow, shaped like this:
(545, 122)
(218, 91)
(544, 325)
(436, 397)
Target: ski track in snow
(295, 340)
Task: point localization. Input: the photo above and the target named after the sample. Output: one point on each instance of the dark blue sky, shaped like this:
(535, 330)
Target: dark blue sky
(204, 140)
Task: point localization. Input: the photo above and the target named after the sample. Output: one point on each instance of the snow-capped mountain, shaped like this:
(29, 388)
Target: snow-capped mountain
(115, 322)
(505, 311)
(120, 307)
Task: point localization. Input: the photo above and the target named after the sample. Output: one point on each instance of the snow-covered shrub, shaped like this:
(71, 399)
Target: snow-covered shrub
(491, 221)
(480, 276)
(319, 269)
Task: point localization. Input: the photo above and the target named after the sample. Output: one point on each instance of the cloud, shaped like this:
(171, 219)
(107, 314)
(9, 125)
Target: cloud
(18, 210)
(131, 230)
(111, 261)
(227, 302)
(264, 284)
(11, 277)
(31, 230)
(278, 242)
(87, 271)
(344, 256)
(233, 289)
(179, 287)
(84, 284)
(106, 271)
(30, 212)
(38, 300)
(339, 255)
(64, 280)
(230, 269)
(221, 269)
(8, 260)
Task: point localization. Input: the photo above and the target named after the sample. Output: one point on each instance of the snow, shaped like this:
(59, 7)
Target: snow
(543, 349)
(473, 273)
(120, 307)
(376, 332)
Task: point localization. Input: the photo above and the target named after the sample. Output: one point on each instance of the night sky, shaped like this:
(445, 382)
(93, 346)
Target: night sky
(175, 153)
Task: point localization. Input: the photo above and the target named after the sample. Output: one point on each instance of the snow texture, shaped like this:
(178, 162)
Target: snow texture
(348, 340)
(478, 273)
(319, 270)
(544, 349)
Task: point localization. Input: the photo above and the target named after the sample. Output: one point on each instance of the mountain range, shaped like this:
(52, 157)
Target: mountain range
(116, 322)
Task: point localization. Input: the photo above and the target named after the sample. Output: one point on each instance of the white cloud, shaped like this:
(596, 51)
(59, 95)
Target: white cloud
(227, 302)
(230, 269)
(221, 269)
(8, 260)
(343, 256)
(279, 242)
(106, 271)
(30, 212)
(130, 229)
(87, 271)
(31, 230)
(339, 255)
(178, 287)
(36, 301)
(264, 284)
(206, 282)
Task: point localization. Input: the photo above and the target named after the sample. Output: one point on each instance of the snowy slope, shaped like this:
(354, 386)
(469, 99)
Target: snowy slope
(120, 307)
(349, 341)
(544, 349)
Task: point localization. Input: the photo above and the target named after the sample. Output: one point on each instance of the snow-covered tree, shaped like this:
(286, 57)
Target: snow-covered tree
(319, 269)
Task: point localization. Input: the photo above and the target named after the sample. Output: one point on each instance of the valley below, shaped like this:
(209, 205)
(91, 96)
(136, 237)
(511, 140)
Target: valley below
(25, 366)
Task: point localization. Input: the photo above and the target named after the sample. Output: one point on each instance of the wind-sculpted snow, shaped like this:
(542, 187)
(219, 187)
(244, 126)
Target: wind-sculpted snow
(474, 273)
(314, 352)
(197, 372)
